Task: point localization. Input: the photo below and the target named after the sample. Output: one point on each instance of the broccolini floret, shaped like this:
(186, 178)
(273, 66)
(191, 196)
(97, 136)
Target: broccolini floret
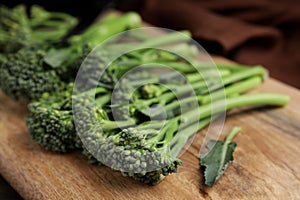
(24, 74)
(51, 122)
(138, 152)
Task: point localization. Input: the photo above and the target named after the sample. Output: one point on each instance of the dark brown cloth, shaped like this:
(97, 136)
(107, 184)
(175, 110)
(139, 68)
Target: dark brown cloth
(252, 32)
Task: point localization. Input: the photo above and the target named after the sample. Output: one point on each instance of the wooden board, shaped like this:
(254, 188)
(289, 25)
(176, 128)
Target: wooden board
(266, 164)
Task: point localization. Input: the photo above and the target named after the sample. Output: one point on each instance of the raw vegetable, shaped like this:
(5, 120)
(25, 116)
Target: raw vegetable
(18, 30)
(132, 123)
(50, 122)
(31, 71)
(152, 146)
(218, 158)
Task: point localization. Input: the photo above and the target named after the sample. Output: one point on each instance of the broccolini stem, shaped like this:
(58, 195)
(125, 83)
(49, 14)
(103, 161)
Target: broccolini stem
(232, 134)
(234, 77)
(240, 87)
(182, 90)
(232, 67)
(180, 140)
(110, 25)
(228, 139)
(205, 111)
(235, 102)
(104, 99)
(253, 71)
(170, 38)
(169, 77)
(153, 124)
(111, 125)
(194, 77)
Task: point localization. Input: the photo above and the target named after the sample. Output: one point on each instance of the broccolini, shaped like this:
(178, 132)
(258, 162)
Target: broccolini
(31, 71)
(18, 30)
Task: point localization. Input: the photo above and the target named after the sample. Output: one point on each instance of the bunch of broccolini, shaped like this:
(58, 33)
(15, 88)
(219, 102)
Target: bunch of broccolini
(134, 121)
(121, 134)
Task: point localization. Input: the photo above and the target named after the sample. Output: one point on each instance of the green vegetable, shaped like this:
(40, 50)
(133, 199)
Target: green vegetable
(92, 36)
(142, 149)
(110, 25)
(205, 97)
(18, 30)
(25, 75)
(218, 158)
(154, 146)
(115, 126)
(31, 71)
(51, 122)
(140, 152)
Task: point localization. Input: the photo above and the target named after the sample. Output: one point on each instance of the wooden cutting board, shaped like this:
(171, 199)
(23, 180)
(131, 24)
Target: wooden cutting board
(266, 165)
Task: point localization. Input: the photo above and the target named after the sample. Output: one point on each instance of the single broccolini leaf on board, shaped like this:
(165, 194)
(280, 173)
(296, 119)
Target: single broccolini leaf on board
(218, 158)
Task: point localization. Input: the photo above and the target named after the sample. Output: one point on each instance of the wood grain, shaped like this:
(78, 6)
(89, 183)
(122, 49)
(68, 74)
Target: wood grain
(266, 164)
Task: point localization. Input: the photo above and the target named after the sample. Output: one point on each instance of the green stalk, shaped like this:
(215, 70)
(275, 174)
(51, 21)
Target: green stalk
(232, 78)
(49, 25)
(165, 133)
(182, 90)
(180, 140)
(206, 111)
(228, 139)
(156, 79)
(195, 77)
(179, 66)
(109, 26)
(104, 99)
(231, 135)
(229, 66)
(153, 124)
(253, 71)
(240, 87)
(150, 43)
(208, 69)
(235, 102)
(107, 125)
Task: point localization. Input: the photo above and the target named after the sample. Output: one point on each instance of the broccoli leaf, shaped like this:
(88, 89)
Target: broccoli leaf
(220, 155)
(55, 58)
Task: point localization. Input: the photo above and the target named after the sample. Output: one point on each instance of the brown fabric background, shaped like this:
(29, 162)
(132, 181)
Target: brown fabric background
(252, 32)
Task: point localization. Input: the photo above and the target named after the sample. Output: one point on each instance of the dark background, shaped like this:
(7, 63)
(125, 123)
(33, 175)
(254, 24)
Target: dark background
(7, 192)
(86, 11)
